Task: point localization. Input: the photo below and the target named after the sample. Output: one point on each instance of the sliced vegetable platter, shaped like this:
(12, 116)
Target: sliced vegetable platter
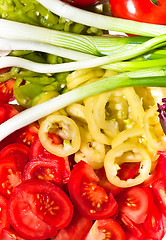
(82, 120)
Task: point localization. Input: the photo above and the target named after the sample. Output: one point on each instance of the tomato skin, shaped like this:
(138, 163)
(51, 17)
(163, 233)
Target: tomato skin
(137, 230)
(106, 229)
(104, 183)
(45, 169)
(77, 229)
(142, 11)
(38, 208)
(19, 151)
(82, 3)
(10, 176)
(134, 203)
(89, 198)
(6, 91)
(8, 234)
(153, 223)
(4, 222)
(38, 152)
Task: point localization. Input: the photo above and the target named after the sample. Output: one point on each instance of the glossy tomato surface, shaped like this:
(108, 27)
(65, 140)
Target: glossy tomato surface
(150, 11)
(89, 198)
(38, 208)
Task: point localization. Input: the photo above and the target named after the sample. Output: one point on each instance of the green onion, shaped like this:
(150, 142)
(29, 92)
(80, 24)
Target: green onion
(100, 21)
(9, 45)
(152, 77)
(149, 45)
(88, 44)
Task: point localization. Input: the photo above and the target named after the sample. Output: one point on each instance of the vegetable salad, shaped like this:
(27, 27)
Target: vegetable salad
(82, 122)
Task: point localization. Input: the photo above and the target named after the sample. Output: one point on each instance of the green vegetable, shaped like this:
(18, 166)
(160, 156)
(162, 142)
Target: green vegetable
(151, 77)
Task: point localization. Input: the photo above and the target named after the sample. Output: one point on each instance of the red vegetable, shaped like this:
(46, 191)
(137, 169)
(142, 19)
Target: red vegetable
(89, 198)
(106, 229)
(151, 11)
(3, 214)
(38, 208)
(134, 203)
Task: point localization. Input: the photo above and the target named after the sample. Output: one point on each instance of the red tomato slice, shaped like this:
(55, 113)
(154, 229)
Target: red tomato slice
(154, 221)
(45, 169)
(106, 229)
(90, 199)
(28, 134)
(143, 11)
(8, 234)
(19, 151)
(160, 192)
(129, 236)
(134, 203)
(104, 183)
(77, 229)
(10, 176)
(38, 208)
(38, 152)
(3, 214)
(137, 230)
(128, 170)
(6, 91)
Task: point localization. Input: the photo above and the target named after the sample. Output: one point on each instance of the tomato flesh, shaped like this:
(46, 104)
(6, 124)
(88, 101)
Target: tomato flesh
(134, 203)
(38, 208)
(91, 200)
(106, 229)
(4, 222)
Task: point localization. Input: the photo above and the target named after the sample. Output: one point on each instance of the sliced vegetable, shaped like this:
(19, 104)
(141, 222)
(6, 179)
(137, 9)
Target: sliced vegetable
(64, 127)
(38, 208)
(89, 198)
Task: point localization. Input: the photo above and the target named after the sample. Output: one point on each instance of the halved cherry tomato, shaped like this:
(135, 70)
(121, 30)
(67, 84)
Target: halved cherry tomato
(137, 230)
(38, 208)
(8, 234)
(10, 176)
(7, 111)
(134, 203)
(77, 229)
(128, 170)
(81, 3)
(38, 152)
(151, 11)
(160, 192)
(28, 134)
(90, 199)
(6, 91)
(106, 229)
(19, 151)
(48, 169)
(153, 223)
(3, 214)
(129, 236)
(104, 183)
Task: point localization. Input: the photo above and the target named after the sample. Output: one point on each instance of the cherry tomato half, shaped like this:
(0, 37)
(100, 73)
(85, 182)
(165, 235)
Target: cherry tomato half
(106, 229)
(19, 151)
(10, 176)
(38, 208)
(77, 229)
(149, 11)
(6, 91)
(8, 234)
(134, 203)
(90, 199)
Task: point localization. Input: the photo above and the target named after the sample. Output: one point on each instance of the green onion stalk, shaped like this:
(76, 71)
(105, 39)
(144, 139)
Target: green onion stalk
(143, 78)
(153, 43)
